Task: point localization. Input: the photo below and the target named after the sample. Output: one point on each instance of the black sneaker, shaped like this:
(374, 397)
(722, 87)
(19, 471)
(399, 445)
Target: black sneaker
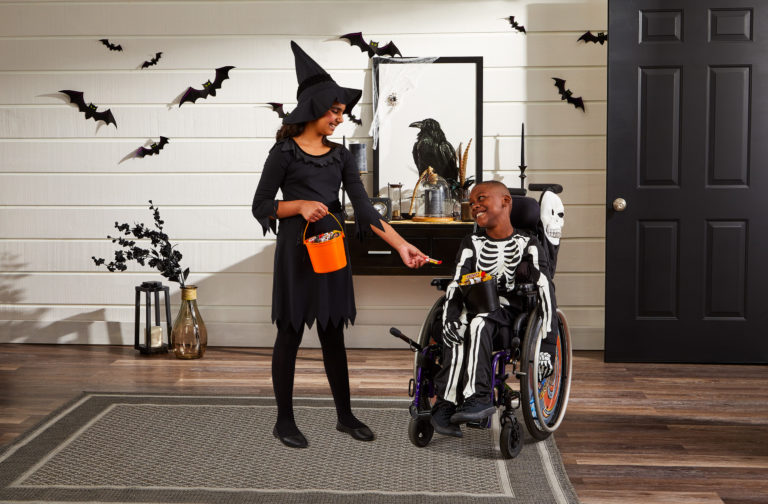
(473, 408)
(441, 419)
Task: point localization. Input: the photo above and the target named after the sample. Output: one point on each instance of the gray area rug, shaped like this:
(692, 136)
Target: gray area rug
(219, 449)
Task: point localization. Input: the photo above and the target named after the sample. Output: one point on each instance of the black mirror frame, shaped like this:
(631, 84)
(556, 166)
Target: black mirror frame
(478, 143)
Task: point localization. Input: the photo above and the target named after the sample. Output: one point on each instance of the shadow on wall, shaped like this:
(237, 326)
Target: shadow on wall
(31, 324)
(231, 302)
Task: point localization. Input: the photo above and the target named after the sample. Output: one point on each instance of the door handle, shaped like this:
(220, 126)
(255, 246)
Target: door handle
(619, 204)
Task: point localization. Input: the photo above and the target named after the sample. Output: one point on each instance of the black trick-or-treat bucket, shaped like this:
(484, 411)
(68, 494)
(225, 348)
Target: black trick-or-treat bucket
(481, 297)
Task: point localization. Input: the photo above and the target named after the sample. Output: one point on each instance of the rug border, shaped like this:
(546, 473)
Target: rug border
(567, 493)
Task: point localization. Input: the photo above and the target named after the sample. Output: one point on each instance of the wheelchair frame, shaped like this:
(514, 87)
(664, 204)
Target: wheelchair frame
(543, 402)
(547, 399)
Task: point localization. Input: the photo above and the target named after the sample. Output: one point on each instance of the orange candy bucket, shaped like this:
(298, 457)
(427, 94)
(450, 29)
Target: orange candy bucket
(329, 255)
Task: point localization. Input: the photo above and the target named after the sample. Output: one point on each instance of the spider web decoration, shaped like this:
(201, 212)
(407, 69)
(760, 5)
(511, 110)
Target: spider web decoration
(403, 79)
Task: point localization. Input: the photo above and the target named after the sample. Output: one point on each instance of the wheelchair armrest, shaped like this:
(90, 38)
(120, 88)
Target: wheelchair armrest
(528, 292)
(523, 289)
(441, 284)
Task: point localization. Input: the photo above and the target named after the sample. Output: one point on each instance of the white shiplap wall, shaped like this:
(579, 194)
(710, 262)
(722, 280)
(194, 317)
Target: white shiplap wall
(64, 180)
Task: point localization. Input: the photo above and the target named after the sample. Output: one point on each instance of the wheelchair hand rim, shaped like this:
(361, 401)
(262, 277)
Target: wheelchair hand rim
(564, 340)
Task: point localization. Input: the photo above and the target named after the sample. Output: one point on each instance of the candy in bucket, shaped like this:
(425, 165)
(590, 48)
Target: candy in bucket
(326, 250)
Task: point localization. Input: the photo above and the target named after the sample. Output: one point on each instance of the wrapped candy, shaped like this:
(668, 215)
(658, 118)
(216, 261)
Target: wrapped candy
(321, 238)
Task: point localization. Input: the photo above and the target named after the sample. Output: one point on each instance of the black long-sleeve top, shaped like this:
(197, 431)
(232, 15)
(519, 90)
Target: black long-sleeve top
(509, 259)
(299, 295)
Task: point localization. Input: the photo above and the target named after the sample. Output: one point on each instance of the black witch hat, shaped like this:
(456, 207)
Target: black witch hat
(317, 90)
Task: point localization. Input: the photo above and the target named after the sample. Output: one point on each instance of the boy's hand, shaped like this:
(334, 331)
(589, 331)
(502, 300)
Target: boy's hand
(451, 334)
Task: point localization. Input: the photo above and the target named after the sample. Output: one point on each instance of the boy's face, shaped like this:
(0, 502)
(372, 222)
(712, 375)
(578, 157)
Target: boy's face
(490, 205)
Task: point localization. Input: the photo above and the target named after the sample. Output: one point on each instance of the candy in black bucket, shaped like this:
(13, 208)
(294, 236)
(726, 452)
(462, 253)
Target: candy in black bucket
(479, 292)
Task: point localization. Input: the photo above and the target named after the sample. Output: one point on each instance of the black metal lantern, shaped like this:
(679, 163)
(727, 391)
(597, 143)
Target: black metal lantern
(153, 333)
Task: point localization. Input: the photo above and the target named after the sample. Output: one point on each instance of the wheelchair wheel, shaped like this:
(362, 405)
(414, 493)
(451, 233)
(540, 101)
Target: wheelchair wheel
(544, 401)
(511, 438)
(420, 431)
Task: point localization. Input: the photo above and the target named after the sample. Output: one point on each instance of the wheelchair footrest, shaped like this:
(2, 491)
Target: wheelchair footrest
(418, 414)
(485, 423)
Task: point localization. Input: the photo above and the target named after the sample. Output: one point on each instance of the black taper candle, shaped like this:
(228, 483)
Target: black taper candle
(522, 158)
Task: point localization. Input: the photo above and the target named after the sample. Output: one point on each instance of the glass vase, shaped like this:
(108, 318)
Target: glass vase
(189, 336)
(466, 209)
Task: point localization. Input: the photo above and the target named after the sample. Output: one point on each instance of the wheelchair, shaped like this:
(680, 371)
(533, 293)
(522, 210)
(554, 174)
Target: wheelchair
(516, 354)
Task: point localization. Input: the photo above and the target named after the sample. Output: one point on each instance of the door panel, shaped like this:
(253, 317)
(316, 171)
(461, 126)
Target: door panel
(659, 126)
(728, 124)
(688, 151)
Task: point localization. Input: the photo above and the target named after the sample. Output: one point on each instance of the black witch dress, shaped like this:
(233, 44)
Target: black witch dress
(299, 295)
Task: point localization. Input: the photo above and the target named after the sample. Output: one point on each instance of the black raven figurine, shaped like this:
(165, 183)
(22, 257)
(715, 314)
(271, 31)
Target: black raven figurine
(432, 149)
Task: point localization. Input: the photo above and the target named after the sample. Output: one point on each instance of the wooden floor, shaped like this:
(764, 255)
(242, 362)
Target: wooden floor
(634, 433)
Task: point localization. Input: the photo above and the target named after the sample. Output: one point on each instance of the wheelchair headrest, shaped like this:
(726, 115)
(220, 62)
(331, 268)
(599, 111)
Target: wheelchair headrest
(525, 212)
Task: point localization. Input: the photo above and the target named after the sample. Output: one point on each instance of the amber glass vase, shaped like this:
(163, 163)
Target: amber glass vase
(189, 336)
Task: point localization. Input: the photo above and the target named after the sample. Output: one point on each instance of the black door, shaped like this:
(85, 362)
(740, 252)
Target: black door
(688, 152)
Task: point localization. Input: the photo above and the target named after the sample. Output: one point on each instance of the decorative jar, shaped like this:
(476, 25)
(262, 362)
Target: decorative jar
(189, 336)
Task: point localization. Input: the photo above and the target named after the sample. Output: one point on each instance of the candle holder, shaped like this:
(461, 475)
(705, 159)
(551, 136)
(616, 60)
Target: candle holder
(395, 194)
(358, 151)
(522, 166)
(153, 333)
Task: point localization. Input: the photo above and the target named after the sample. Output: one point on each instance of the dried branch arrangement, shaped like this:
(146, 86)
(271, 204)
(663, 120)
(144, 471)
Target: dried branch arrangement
(161, 255)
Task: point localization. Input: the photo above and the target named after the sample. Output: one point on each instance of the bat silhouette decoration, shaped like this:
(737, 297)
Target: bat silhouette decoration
(372, 48)
(112, 47)
(90, 111)
(600, 38)
(153, 149)
(354, 119)
(514, 24)
(277, 107)
(153, 61)
(567, 94)
(209, 88)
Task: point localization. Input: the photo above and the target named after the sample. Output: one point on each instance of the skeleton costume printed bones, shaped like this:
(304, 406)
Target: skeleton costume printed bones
(518, 257)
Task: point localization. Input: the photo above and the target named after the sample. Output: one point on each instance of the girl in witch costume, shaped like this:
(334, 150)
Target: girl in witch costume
(310, 169)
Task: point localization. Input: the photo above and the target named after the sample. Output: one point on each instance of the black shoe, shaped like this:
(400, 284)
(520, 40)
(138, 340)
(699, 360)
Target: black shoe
(473, 409)
(441, 419)
(360, 433)
(291, 441)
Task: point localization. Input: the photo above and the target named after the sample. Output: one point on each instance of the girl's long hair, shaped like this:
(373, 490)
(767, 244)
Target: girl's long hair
(292, 130)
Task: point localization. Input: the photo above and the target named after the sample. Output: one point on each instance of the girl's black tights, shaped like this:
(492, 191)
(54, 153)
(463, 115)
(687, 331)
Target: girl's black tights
(284, 366)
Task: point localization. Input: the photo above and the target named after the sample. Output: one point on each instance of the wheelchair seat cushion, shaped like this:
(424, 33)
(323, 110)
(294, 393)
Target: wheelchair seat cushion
(525, 212)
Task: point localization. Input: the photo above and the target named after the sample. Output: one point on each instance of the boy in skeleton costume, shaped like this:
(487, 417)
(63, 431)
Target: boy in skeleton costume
(510, 256)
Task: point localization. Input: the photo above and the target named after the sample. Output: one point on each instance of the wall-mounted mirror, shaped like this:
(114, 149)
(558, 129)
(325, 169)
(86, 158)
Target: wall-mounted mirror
(424, 109)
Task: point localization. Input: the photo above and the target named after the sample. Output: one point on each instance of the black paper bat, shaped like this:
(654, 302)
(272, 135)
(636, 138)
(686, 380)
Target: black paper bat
(354, 119)
(372, 48)
(277, 107)
(153, 149)
(514, 24)
(153, 61)
(209, 88)
(112, 47)
(601, 37)
(567, 94)
(76, 97)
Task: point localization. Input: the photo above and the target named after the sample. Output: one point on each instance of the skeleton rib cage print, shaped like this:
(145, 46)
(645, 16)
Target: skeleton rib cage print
(500, 258)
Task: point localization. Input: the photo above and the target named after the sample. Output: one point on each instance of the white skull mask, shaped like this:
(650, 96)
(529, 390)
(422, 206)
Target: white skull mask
(552, 213)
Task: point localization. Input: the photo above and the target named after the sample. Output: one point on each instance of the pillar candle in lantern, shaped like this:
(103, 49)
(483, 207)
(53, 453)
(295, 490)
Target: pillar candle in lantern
(156, 337)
